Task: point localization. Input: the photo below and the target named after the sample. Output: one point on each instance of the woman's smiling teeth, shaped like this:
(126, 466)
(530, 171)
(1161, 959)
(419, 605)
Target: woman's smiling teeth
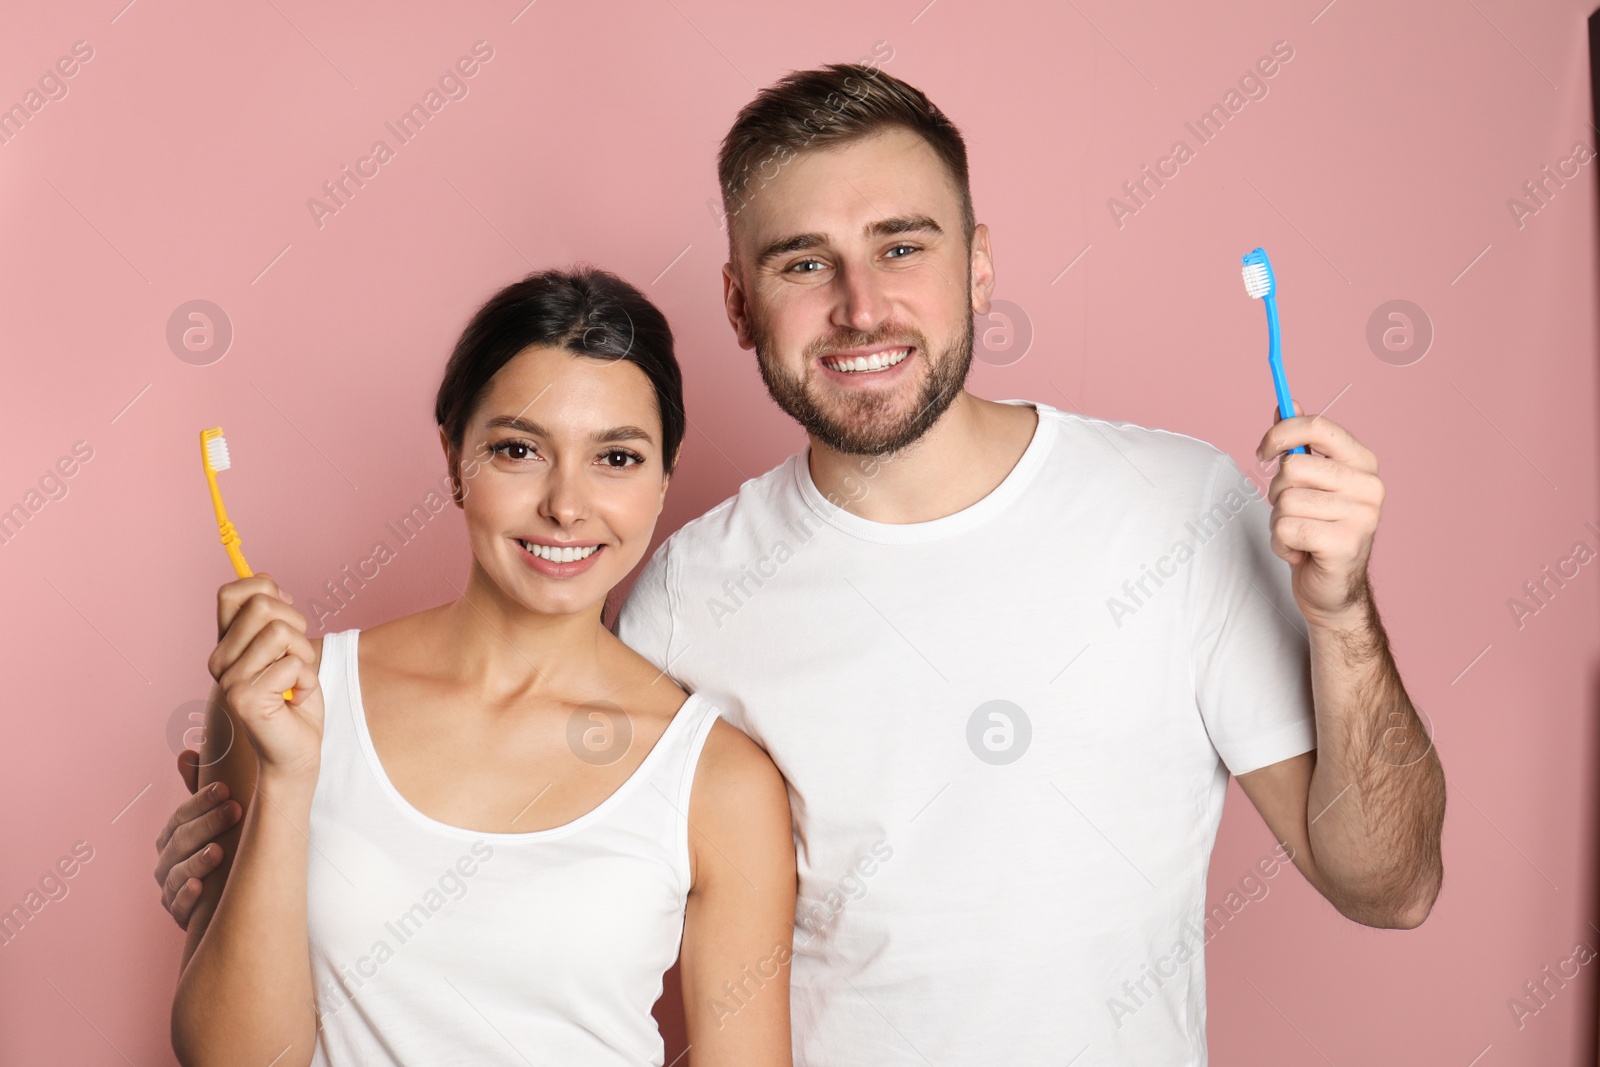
(877, 361)
(559, 555)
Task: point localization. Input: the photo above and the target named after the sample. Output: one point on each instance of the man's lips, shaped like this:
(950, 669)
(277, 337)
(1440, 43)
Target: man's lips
(877, 359)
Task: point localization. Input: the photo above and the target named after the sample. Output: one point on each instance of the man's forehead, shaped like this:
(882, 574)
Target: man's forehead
(850, 204)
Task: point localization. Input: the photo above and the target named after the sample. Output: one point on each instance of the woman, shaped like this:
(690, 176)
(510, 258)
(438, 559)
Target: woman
(477, 833)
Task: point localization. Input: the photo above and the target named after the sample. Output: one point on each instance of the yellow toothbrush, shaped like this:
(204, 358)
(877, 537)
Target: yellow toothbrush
(214, 454)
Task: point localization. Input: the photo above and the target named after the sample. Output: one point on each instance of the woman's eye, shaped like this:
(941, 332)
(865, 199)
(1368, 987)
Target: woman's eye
(627, 458)
(506, 448)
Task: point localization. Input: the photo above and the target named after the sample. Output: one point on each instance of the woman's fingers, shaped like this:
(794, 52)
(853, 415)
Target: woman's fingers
(279, 658)
(254, 614)
(268, 644)
(256, 599)
(231, 596)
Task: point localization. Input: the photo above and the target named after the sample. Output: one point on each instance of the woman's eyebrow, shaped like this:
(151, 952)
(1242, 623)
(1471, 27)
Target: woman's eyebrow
(616, 433)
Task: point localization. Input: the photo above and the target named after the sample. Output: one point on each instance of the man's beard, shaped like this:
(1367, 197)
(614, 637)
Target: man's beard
(865, 423)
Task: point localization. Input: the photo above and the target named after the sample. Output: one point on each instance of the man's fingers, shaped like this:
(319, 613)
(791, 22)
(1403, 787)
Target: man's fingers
(192, 808)
(187, 839)
(1319, 434)
(193, 835)
(189, 767)
(196, 866)
(182, 905)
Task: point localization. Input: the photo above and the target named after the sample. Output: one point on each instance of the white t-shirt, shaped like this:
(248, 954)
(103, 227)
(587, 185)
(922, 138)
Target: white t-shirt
(1007, 735)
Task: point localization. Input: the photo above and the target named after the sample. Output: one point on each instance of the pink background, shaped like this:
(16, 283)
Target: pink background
(179, 165)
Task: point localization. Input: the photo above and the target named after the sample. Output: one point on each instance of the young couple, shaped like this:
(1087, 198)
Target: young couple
(477, 833)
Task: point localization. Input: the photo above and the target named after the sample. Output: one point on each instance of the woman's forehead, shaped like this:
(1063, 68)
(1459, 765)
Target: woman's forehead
(553, 386)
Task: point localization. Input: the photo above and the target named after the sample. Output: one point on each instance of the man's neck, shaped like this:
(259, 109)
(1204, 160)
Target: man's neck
(957, 463)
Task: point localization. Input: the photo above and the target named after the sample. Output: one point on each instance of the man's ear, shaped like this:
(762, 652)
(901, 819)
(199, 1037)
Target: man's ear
(734, 304)
(982, 270)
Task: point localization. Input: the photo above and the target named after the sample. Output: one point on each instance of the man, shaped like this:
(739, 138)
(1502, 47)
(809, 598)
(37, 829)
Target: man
(1006, 656)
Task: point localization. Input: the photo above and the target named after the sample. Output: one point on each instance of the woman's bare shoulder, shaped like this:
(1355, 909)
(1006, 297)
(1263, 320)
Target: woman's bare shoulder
(639, 685)
(403, 639)
(739, 809)
(737, 779)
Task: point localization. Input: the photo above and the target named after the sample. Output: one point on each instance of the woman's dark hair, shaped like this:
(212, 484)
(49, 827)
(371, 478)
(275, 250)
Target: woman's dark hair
(585, 310)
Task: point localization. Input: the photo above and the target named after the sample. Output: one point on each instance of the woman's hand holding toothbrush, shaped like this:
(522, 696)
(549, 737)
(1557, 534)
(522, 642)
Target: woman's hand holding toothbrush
(262, 650)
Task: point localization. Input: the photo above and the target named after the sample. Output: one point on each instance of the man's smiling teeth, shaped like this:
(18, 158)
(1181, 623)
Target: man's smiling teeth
(559, 555)
(876, 361)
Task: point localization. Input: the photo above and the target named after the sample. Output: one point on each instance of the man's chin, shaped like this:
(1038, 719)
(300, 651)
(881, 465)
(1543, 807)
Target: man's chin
(853, 435)
(864, 422)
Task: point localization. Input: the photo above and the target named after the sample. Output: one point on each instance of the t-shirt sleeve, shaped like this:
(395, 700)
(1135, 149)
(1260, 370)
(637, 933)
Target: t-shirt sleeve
(644, 623)
(1251, 656)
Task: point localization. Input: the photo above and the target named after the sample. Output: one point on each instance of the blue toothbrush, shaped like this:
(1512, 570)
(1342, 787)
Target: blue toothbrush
(1262, 284)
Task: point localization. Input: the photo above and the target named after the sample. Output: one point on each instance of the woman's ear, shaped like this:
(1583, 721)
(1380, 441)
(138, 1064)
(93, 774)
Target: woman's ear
(450, 468)
(667, 478)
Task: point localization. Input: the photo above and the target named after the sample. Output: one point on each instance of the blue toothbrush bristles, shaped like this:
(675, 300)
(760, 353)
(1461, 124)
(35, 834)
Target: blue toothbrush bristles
(1257, 280)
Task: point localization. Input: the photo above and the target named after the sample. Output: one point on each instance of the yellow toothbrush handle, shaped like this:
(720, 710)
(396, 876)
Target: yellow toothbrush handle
(230, 541)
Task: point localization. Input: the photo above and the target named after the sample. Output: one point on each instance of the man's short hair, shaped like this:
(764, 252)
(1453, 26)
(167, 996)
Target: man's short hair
(833, 105)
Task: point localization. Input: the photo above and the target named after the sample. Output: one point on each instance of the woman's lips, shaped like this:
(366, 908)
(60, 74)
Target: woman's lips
(551, 569)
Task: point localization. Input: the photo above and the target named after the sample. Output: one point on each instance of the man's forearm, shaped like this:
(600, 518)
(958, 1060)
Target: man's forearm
(245, 996)
(1377, 795)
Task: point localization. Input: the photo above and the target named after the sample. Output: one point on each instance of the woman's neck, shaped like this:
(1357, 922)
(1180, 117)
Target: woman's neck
(499, 648)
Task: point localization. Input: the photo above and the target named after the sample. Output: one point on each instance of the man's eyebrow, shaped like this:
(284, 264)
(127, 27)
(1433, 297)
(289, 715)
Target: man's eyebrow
(615, 433)
(889, 227)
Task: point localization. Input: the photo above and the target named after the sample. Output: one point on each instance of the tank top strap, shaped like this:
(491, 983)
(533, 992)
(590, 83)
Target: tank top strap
(339, 737)
(685, 737)
(673, 776)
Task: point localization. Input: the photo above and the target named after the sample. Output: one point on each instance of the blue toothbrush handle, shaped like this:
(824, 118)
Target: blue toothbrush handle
(1280, 381)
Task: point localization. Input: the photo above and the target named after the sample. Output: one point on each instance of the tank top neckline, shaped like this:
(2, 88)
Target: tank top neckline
(358, 713)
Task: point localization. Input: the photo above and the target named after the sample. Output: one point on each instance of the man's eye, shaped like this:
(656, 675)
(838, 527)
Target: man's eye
(896, 248)
(805, 263)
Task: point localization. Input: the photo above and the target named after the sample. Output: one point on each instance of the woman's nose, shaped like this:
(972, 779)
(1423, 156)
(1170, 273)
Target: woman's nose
(564, 500)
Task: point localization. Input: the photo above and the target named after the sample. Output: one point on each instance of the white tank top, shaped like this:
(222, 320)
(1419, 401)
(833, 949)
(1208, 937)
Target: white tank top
(434, 944)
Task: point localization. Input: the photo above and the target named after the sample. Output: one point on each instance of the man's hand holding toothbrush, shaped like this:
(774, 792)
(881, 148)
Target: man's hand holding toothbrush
(1365, 809)
(1325, 508)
